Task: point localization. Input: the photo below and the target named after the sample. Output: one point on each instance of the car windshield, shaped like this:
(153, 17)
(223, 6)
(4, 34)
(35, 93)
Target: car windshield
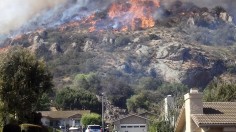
(94, 127)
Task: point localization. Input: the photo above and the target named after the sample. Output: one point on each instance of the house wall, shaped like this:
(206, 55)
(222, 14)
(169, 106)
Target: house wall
(129, 120)
(69, 122)
(60, 122)
(117, 125)
(212, 129)
(193, 105)
(229, 129)
(219, 129)
(45, 121)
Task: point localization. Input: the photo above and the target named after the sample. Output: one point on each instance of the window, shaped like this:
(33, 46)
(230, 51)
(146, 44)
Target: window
(142, 126)
(94, 127)
(129, 126)
(123, 126)
(136, 126)
(77, 121)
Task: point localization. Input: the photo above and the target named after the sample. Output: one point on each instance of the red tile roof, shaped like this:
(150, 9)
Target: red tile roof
(216, 113)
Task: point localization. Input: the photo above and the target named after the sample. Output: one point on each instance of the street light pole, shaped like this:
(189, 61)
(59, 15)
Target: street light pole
(102, 114)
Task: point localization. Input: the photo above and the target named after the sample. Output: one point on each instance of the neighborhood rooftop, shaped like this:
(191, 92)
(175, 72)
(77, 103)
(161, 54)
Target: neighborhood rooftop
(198, 115)
(216, 113)
(63, 114)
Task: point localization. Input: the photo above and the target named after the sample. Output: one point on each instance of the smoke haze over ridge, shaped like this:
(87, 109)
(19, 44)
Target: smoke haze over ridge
(18, 13)
(14, 13)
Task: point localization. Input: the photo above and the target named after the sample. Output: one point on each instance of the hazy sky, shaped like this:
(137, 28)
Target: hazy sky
(14, 13)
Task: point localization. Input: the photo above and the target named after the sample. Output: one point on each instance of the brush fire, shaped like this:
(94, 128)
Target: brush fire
(113, 15)
(121, 15)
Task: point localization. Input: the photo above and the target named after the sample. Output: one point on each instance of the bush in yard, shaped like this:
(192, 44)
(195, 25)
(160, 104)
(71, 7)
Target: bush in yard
(91, 119)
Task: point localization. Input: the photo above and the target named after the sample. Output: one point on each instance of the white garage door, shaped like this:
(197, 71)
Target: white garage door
(133, 128)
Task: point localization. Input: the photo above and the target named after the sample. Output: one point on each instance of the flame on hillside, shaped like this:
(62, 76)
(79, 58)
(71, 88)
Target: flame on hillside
(134, 13)
(4, 49)
(122, 15)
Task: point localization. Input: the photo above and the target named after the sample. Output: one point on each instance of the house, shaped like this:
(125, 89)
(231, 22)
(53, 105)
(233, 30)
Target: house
(133, 122)
(199, 116)
(63, 119)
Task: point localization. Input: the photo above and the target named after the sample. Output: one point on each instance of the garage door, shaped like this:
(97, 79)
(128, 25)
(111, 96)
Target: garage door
(133, 128)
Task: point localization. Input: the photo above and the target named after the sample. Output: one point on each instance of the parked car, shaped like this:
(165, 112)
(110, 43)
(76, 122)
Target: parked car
(93, 128)
(74, 129)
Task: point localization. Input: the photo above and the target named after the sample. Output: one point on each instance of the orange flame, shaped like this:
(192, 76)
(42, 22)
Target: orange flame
(68, 25)
(122, 15)
(135, 13)
(4, 49)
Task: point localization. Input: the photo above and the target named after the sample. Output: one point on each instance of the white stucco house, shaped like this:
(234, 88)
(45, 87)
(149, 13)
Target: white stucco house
(63, 119)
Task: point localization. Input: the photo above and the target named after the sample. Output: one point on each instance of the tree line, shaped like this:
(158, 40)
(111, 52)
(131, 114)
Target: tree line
(26, 86)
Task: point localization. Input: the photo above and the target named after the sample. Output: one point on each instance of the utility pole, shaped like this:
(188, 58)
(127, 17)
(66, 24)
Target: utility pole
(102, 113)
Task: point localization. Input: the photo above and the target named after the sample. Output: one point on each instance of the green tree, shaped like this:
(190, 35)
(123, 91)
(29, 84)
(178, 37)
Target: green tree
(117, 91)
(68, 99)
(23, 80)
(151, 100)
(164, 126)
(136, 102)
(175, 89)
(2, 113)
(92, 118)
(44, 103)
(220, 91)
(90, 82)
(148, 83)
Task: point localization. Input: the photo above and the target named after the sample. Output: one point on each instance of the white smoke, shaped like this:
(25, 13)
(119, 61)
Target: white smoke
(25, 15)
(31, 14)
(14, 13)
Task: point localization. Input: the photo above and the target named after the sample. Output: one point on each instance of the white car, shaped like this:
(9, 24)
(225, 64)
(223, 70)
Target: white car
(73, 129)
(93, 128)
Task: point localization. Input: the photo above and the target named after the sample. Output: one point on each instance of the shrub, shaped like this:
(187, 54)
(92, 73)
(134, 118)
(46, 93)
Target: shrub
(122, 41)
(11, 128)
(92, 118)
(154, 37)
(31, 128)
(231, 69)
(217, 10)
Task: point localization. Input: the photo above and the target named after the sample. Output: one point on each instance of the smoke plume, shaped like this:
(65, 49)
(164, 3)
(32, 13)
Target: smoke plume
(14, 13)
(26, 15)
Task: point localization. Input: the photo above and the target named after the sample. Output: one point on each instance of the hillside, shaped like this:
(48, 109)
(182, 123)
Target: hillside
(135, 52)
(188, 45)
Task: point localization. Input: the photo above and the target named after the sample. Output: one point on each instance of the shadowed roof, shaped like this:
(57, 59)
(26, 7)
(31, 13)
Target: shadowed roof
(63, 114)
(129, 115)
(214, 114)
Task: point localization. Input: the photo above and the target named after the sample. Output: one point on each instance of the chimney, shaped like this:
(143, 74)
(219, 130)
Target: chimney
(169, 106)
(193, 105)
(169, 115)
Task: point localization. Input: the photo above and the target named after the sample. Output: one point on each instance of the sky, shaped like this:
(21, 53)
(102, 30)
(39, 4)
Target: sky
(14, 13)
